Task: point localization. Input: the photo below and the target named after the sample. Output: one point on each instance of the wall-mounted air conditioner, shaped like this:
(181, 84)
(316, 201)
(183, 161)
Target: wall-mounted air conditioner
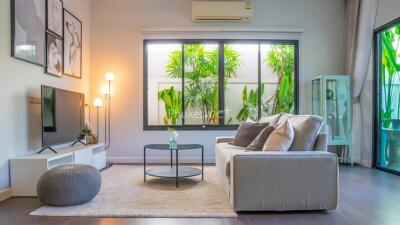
(222, 11)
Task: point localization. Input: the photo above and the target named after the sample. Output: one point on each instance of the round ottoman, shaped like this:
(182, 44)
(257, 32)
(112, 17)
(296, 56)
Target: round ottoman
(69, 184)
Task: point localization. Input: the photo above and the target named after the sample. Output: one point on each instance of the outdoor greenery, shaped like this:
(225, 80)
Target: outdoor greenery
(250, 104)
(201, 77)
(173, 105)
(390, 69)
(281, 60)
(201, 83)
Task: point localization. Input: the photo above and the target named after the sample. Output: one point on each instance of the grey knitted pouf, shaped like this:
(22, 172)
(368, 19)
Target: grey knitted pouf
(70, 184)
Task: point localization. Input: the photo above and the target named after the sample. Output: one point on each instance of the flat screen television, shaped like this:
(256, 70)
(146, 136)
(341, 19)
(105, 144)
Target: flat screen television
(62, 116)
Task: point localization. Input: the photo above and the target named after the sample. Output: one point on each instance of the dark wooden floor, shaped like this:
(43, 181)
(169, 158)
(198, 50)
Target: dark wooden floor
(367, 197)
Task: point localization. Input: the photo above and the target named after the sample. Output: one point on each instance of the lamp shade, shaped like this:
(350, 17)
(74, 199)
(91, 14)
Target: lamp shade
(109, 76)
(98, 102)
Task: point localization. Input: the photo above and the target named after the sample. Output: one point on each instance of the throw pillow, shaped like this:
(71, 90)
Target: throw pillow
(284, 117)
(272, 120)
(246, 133)
(306, 129)
(281, 138)
(258, 143)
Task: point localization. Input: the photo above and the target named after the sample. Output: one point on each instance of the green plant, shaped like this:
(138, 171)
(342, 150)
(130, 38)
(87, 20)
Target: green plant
(87, 132)
(250, 104)
(201, 76)
(172, 103)
(281, 60)
(390, 69)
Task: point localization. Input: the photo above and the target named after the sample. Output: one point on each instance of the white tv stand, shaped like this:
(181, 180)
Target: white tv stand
(25, 171)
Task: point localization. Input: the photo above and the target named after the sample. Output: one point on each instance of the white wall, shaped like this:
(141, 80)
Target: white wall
(19, 121)
(117, 46)
(388, 10)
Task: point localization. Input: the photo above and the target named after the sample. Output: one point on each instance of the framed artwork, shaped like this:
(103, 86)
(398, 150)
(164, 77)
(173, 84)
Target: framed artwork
(54, 54)
(72, 45)
(54, 15)
(28, 30)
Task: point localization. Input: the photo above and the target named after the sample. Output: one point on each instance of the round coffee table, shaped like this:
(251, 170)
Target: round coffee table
(172, 171)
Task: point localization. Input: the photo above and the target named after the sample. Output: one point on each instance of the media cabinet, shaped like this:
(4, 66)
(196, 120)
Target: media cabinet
(25, 171)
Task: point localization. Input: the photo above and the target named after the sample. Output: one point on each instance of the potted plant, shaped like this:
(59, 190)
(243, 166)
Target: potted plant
(88, 136)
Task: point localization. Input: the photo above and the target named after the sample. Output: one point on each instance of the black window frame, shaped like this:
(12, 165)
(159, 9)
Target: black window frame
(376, 100)
(221, 42)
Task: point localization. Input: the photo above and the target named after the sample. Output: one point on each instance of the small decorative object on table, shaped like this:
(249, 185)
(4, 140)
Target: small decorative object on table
(173, 143)
(87, 134)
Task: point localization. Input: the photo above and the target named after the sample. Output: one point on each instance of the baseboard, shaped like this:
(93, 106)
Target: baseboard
(157, 160)
(5, 194)
(365, 163)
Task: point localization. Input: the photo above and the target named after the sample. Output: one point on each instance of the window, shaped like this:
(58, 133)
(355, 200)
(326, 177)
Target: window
(216, 84)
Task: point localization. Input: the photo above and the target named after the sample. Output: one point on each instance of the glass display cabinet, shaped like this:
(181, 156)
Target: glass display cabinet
(331, 100)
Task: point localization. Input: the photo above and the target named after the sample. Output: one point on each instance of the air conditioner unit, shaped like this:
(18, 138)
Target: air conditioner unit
(222, 11)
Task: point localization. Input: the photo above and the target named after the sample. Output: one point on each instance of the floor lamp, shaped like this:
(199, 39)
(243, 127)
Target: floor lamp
(109, 77)
(97, 102)
(106, 92)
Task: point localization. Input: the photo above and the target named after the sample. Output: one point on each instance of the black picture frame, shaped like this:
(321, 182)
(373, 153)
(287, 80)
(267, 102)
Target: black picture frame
(66, 42)
(221, 125)
(47, 70)
(40, 35)
(48, 28)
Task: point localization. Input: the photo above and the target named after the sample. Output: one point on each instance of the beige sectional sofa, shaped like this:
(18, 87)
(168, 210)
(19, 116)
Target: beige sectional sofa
(279, 181)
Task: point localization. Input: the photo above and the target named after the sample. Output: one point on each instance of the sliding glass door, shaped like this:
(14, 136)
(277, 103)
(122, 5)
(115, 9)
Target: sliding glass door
(387, 97)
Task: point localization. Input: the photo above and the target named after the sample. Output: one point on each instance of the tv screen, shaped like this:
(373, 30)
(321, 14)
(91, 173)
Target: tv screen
(62, 116)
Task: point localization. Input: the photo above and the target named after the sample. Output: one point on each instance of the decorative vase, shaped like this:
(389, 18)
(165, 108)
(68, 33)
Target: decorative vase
(90, 139)
(173, 144)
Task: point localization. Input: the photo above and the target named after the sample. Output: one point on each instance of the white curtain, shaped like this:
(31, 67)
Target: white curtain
(360, 22)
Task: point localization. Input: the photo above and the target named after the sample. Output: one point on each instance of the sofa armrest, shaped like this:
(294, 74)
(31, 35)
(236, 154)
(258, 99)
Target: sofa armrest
(224, 140)
(284, 181)
(321, 143)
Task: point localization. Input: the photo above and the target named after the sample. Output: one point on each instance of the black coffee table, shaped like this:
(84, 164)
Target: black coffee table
(174, 171)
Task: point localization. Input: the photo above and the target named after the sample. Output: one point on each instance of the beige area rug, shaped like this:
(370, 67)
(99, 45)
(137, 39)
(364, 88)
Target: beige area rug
(124, 194)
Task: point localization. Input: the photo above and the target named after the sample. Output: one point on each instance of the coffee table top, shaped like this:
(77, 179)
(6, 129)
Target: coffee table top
(180, 146)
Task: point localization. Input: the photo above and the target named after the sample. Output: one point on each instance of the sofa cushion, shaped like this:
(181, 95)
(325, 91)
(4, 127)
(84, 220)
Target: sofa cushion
(247, 132)
(258, 143)
(272, 120)
(306, 129)
(284, 117)
(281, 138)
(225, 152)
